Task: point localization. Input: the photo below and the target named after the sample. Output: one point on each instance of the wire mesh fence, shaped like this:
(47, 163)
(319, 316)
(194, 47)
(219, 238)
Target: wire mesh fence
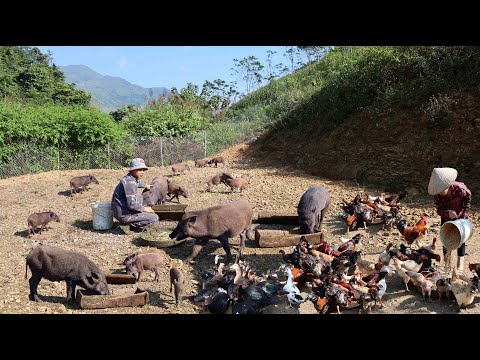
(35, 157)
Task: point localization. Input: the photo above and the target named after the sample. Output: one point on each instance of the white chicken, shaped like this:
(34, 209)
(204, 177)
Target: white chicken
(420, 281)
(383, 257)
(382, 287)
(289, 287)
(464, 290)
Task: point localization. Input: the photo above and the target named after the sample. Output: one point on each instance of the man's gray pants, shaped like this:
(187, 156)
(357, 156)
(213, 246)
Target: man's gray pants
(139, 220)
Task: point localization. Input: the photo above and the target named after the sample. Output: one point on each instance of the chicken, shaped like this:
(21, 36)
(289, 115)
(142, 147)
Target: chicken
(401, 271)
(464, 290)
(294, 298)
(443, 287)
(415, 233)
(322, 305)
(410, 265)
(383, 257)
(349, 244)
(475, 267)
(420, 281)
(382, 288)
(431, 247)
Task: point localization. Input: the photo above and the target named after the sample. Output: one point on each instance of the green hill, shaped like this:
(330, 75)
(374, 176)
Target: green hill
(383, 116)
(108, 92)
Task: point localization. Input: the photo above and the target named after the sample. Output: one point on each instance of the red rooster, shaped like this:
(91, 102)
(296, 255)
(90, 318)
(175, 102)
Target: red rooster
(413, 233)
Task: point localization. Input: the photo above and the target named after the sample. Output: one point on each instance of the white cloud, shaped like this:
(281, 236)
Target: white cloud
(122, 62)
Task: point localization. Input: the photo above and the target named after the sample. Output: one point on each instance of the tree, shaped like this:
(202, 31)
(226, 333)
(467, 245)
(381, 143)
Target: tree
(314, 52)
(249, 71)
(28, 75)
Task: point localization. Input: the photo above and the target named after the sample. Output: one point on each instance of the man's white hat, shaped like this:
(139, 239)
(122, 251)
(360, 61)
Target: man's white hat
(441, 179)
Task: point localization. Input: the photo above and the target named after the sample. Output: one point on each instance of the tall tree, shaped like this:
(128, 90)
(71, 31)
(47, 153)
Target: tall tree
(249, 71)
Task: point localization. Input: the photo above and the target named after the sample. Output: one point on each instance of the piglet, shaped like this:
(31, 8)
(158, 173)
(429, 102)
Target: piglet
(135, 265)
(178, 282)
(175, 190)
(180, 168)
(238, 183)
(42, 218)
(81, 182)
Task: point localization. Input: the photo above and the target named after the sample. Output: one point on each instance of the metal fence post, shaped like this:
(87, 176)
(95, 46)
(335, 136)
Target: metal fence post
(161, 150)
(205, 142)
(58, 157)
(108, 152)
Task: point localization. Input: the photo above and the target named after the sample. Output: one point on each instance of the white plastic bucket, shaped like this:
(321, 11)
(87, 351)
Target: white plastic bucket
(102, 215)
(454, 233)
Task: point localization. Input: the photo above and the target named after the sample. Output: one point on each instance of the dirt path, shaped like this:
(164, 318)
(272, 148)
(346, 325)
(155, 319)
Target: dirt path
(271, 189)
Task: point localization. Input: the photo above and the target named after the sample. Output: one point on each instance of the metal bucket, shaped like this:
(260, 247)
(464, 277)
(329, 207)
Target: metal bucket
(102, 215)
(454, 233)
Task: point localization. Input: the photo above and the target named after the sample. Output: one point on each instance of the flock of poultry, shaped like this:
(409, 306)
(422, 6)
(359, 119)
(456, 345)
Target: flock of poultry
(339, 278)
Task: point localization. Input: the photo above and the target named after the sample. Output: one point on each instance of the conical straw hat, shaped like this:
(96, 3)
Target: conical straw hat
(441, 179)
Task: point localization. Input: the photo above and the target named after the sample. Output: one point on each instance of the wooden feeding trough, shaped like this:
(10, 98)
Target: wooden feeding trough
(121, 296)
(169, 211)
(267, 217)
(126, 298)
(281, 238)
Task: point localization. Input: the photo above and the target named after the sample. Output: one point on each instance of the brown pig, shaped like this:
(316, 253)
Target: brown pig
(218, 222)
(180, 168)
(175, 190)
(217, 179)
(136, 264)
(217, 159)
(81, 182)
(42, 218)
(201, 163)
(178, 282)
(238, 183)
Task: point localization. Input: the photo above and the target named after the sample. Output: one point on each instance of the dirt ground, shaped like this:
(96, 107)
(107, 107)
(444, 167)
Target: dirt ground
(276, 189)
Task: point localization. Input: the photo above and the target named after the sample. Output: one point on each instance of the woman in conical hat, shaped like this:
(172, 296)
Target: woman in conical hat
(452, 200)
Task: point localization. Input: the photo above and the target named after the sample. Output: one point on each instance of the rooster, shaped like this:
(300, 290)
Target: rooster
(415, 233)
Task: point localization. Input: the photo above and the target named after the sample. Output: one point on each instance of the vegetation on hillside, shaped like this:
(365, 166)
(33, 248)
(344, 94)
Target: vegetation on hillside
(26, 75)
(350, 78)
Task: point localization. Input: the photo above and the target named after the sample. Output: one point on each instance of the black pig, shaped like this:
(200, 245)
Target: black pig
(217, 222)
(312, 208)
(57, 264)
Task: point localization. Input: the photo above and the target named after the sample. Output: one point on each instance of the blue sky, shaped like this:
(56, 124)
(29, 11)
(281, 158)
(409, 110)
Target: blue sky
(162, 66)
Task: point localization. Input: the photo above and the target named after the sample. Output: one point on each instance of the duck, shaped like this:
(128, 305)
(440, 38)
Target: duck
(220, 303)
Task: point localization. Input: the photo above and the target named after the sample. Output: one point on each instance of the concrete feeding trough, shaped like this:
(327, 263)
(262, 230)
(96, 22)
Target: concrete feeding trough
(170, 211)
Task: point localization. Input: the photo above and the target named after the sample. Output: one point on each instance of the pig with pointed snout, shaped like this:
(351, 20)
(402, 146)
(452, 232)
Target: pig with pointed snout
(57, 264)
(312, 208)
(218, 222)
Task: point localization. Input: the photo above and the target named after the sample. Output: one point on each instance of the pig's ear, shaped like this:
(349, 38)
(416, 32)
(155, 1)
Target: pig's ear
(192, 219)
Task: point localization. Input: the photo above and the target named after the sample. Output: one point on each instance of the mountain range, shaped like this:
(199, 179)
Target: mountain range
(108, 92)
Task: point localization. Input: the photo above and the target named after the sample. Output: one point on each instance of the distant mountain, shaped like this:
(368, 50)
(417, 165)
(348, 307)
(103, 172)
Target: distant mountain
(108, 92)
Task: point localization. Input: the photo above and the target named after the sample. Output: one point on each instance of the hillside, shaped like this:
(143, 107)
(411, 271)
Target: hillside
(394, 148)
(108, 92)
